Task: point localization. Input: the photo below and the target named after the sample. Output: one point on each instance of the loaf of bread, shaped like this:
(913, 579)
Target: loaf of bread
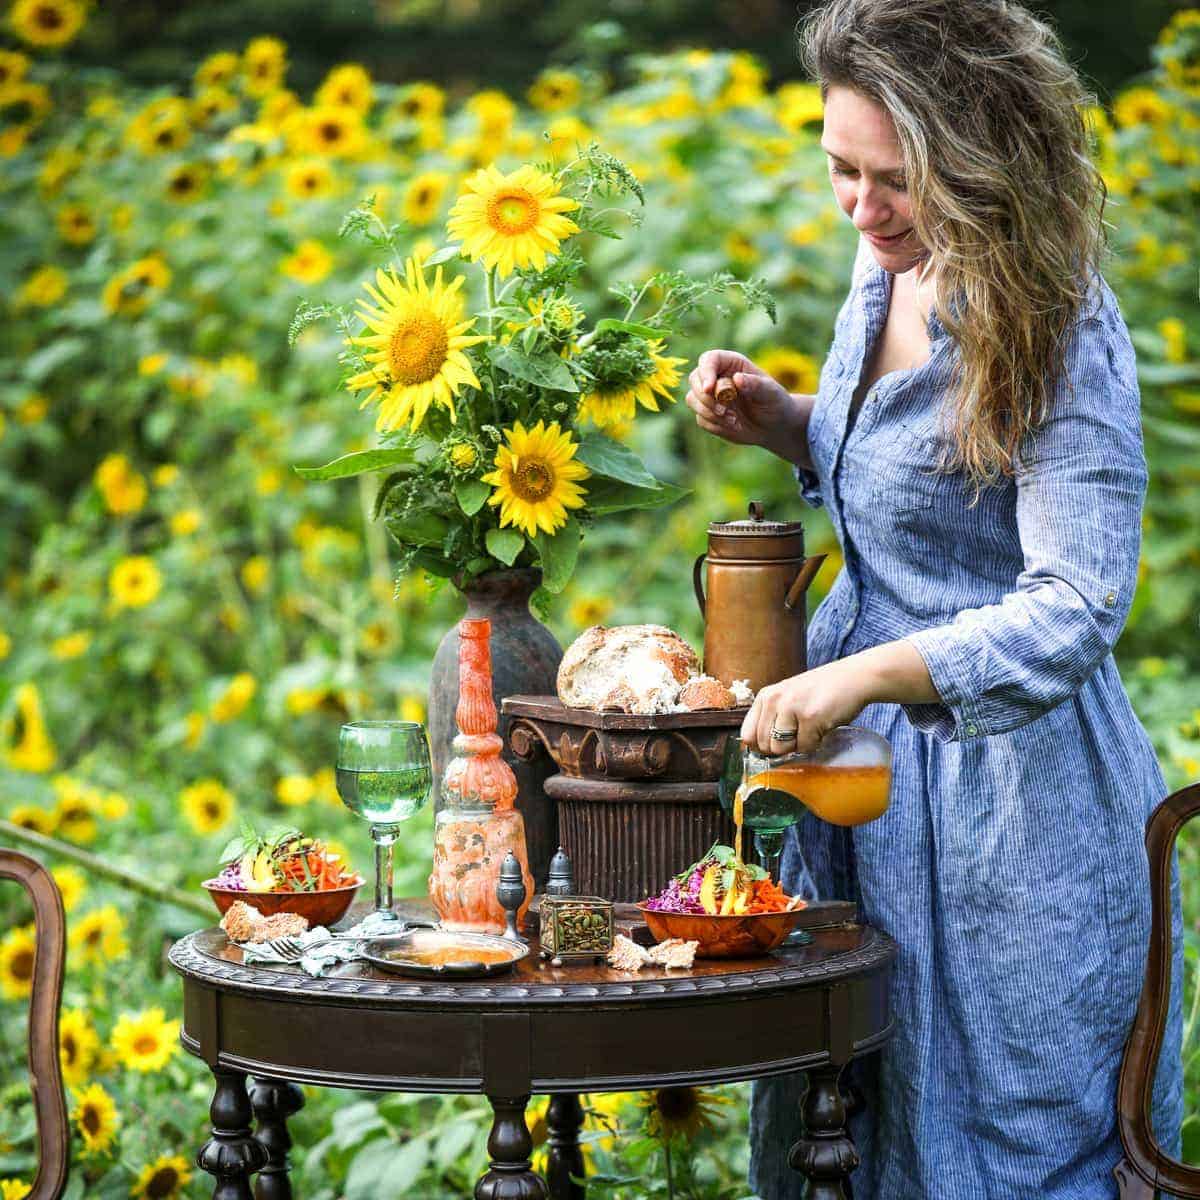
(643, 669)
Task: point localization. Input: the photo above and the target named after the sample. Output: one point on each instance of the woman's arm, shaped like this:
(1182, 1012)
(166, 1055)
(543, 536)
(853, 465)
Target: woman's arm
(1080, 485)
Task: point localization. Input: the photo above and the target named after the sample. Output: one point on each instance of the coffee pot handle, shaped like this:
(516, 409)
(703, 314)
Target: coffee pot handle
(804, 577)
(696, 582)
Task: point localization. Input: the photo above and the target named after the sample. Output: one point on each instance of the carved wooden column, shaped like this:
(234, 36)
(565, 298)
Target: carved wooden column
(273, 1101)
(231, 1155)
(825, 1155)
(564, 1118)
(510, 1175)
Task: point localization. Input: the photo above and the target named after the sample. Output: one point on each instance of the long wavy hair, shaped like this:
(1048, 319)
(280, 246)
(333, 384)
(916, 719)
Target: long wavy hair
(1005, 195)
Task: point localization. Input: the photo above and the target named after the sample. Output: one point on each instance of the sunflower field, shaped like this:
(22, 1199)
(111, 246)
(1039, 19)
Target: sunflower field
(185, 621)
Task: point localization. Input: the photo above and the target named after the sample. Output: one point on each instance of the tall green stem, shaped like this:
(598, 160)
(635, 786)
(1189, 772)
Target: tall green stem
(670, 1174)
(491, 303)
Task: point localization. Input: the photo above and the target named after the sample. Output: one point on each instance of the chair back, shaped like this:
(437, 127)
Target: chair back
(45, 1073)
(1145, 1166)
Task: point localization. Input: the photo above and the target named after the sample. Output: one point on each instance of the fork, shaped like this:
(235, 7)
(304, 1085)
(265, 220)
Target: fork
(290, 950)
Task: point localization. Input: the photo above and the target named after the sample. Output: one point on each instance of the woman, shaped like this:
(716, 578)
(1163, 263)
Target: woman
(976, 441)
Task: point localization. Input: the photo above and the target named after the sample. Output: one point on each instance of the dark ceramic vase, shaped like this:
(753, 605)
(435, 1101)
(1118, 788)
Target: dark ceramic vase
(525, 658)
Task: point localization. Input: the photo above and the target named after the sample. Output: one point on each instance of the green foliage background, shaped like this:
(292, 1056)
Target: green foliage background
(278, 615)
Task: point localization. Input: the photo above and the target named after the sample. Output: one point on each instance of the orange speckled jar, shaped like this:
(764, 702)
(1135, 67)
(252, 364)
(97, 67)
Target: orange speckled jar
(477, 824)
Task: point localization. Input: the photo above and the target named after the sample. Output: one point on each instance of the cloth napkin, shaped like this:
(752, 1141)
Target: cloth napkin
(322, 950)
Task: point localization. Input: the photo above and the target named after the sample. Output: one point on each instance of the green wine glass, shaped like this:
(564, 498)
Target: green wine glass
(384, 776)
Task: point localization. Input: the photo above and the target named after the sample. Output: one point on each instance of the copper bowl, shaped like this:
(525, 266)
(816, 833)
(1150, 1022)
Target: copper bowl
(320, 908)
(737, 935)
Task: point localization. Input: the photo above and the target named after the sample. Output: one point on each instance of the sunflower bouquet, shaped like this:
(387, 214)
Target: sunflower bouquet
(500, 430)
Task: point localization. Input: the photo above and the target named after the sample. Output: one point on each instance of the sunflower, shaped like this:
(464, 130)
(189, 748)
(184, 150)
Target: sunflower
(591, 610)
(95, 1115)
(415, 347)
(310, 262)
(163, 1179)
(135, 581)
(612, 404)
(99, 936)
(231, 703)
(798, 105)
(123, 488)
(13, 66)
(163, 125)
(349, 85)
(78, 806)
(294, 790)
(78, 1045)
(30, 816)
(309, 180)
(265, 63)
(24, 104)
(217, 69)
(565, 135)
(145, 1041)
(43, 289)
(75, 224)
(71, 885)
(680, 1112)
(795, 371)
(207, 805)
(535, 479)
(30, 745)
(421, 102)
(129, 292)
(16, 962)
(211, 103)
(1141, 106)
(553, 91)
(186, 521)
(47, 23)
(255, 573)
(14, 1189)
(511, 221)
(275, 109)
(335, 130)
(423, 197)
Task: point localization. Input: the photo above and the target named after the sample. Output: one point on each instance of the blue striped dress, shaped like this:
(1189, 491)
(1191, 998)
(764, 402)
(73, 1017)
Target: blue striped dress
(1010, 866)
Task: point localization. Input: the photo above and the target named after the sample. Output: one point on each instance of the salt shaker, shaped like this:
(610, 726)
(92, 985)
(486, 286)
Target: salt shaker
(561, 879)
(510, 891)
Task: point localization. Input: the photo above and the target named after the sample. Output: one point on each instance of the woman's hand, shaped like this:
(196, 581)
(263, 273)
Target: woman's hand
(808, 705)
(766, 413)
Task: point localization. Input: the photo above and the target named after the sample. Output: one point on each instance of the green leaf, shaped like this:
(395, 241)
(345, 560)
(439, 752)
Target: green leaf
(646, 331)
(604, 456)
(542, 370)
(504, 544)
(418, 528)
(445, 254)
(357, 463)
(435, 564)
(46, 361)
(472, 495)
(612, 495)
(558, 554)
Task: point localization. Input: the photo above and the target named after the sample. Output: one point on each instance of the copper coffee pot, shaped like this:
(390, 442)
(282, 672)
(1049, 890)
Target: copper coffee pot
(755, 619)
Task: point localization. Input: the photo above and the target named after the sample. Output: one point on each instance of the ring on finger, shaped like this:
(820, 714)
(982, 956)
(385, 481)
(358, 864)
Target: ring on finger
(782, 735)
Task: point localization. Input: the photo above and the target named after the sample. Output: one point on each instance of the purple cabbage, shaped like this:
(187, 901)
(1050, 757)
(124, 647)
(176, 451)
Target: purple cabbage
(676, 899)
(230, 877)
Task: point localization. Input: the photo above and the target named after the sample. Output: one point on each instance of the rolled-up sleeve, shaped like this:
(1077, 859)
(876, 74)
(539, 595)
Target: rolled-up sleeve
(809, 483)
(1080, 486)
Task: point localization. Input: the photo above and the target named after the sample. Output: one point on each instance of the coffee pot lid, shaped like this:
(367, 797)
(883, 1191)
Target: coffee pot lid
(756, 525)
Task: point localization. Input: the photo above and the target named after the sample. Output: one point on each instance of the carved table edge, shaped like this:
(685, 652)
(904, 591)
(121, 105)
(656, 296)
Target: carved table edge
(203, 969)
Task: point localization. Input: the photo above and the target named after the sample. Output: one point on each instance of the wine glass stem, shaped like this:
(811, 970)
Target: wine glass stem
(769, 844)
(385, 839)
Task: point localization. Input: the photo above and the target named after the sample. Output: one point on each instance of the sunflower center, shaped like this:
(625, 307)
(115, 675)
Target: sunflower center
(532, 480)
(90, 1120)
(145, 1044)
(513, 211)
(69, 1049)
(162, 1183)
(418, 348)
(212, 809)
(21, 965)
(48, 17)
(331, 132)
(675, 1103)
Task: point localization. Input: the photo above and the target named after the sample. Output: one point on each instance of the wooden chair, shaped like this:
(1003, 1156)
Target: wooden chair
(54, 1134)
(1145, 1166)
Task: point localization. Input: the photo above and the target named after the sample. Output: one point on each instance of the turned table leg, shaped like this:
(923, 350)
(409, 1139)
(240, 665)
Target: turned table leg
(564, 1118)
(510, 1175)
(824, 1155)
(273, 1101)
(231, 1155)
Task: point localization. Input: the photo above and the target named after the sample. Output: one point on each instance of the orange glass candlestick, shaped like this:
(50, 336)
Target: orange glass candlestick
(477, 825)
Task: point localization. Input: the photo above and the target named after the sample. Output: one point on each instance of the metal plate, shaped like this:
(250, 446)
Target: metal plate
(401, 954)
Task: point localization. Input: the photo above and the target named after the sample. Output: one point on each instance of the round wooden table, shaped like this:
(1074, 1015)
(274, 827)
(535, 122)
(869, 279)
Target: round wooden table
(539, 1030)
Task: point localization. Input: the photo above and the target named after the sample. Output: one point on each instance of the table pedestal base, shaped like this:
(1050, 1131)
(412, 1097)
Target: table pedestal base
(511, 1175)
(273, 1101)
(825, 1155)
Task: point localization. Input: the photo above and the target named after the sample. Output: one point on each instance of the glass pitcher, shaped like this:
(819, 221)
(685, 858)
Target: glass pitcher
(845, 780)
